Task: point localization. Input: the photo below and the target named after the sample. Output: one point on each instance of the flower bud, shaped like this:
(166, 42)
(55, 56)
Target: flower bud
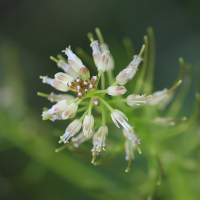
(55, 111)
(111, 64)
(80, 95)
(85, 72)
(74, 61)
(63, 78)
(94, 79)
(70, 111)
(99, 139)
(119, 116)
(96, 52)
(56, 97)
(79, 88)
(129, 150)
(79, 81)
(128, 73)
(95, 101)
(70, 131)
(91, 87)
(136, 100)
(68, 69)
(157, 97)
(54, 83)
(86, 90)
(86, 83)
(88, 125)
(130, 135)
(103, 62)
(116, 90)
(165, 121)
(72, 85)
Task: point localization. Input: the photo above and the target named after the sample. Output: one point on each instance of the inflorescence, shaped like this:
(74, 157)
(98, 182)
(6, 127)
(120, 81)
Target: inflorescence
(76, 78)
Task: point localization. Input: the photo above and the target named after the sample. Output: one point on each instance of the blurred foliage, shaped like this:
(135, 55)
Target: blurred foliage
(30, 169)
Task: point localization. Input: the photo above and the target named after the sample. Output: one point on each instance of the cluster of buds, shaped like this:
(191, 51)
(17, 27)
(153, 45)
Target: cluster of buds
(76, 78)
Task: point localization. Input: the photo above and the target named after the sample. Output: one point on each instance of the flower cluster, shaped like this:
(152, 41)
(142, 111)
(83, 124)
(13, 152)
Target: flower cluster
(90, 96)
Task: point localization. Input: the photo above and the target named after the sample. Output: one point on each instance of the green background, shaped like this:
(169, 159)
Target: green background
(31, 31)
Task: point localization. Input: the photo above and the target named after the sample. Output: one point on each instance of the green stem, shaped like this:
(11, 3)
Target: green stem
(90, 36)
(107, 105)
(117, 100)
(81, 109)
(140, 80)
(99, 75)
(103, 81)
(174, 87)
(90, 107)
(115, 83)
(103, 116)
(110, 77)
(100, 91)
(62, 58)
(54, 59)
(94, 156)
(63, 147)
(129, 47)
(84, 114)
(99, 35)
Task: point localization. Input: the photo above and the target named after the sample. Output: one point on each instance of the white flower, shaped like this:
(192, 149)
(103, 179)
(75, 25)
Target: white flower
(88, 125)
(130, 135)
(99, 139)
(70, 111)
(165, 121)
(135, 99)
(54, 83)
(68, 69)
(76, 63)
(129, 147)
(158, 97)
(128, 73)
(119, 116)
(96, 52)
(111, 64)
(103, 62)
(56, 111)
(58, 97)
(116, 90)
(63, 78)
(70, 131)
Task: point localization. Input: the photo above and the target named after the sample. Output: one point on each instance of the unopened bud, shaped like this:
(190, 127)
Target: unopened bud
(95, 101)
(54, 83)
(70, 131)
(86, 90)
(70, 111)
(88, 125)
(79, 88)
(63, 78)
(103, 62)
(135, 99)
(96, 52)
(85, 72)
(94, 79)
(91, 87)
(86, 83)
(116, 90)
(80, 95)
(72, 85)
(79, 81)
